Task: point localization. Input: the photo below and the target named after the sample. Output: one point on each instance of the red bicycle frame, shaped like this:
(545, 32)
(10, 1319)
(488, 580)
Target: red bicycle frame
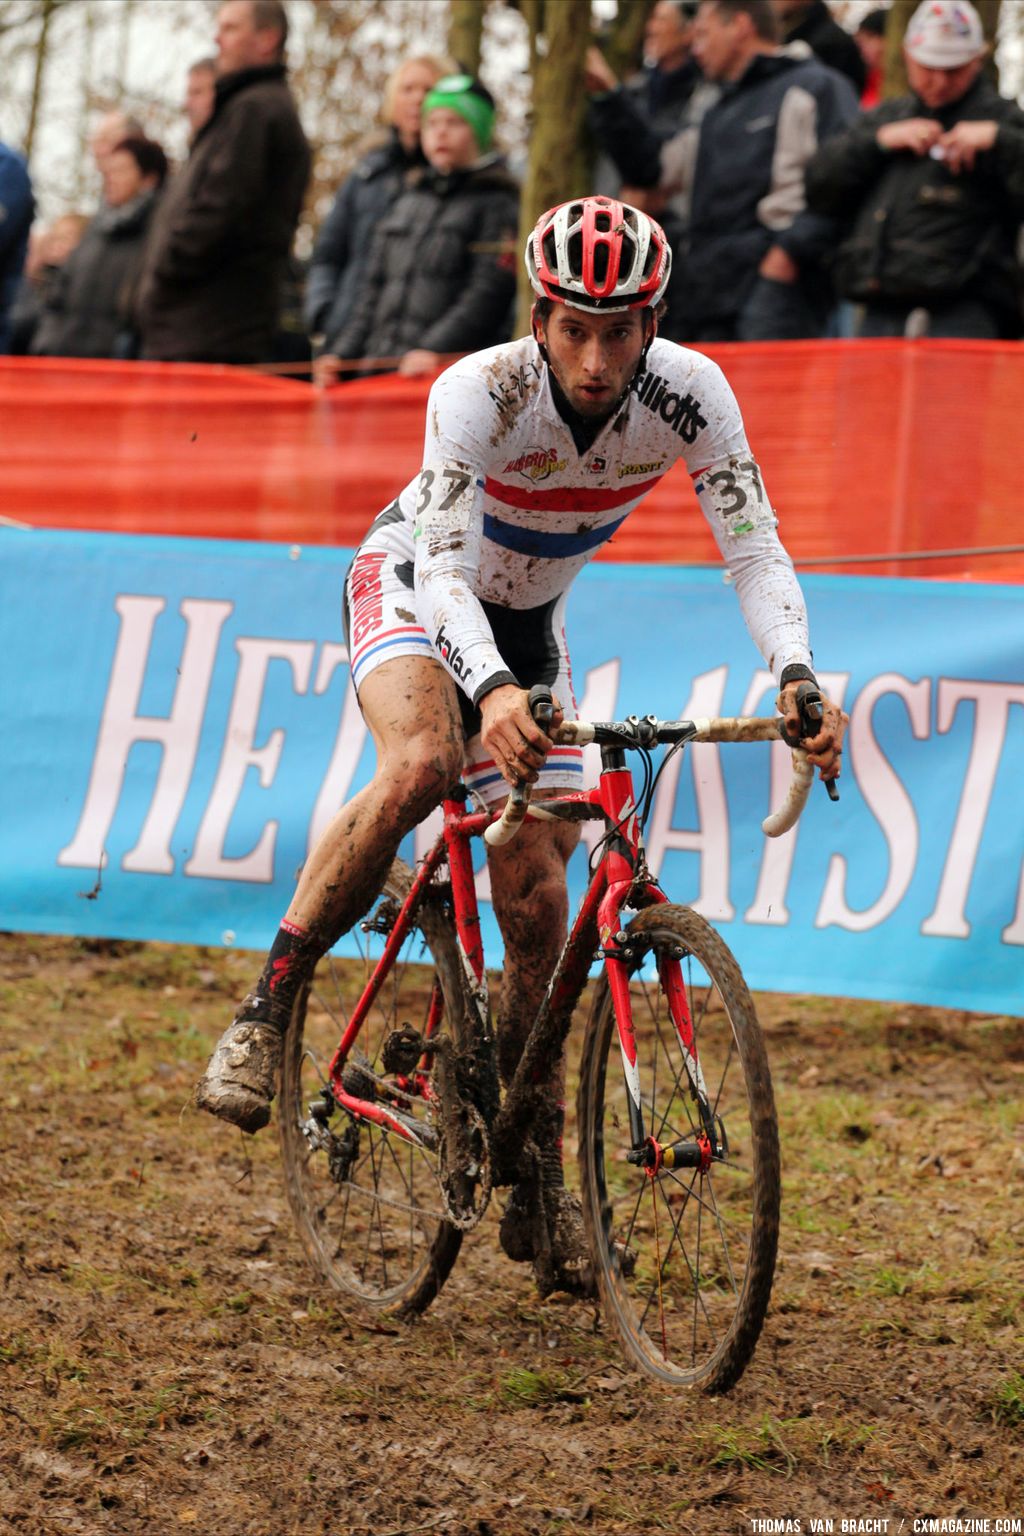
(620, 879)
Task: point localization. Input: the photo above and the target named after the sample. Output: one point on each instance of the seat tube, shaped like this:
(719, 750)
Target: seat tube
(460, 865)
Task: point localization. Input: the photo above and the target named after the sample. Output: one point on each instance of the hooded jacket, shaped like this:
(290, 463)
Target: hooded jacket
(914, 233)
(343, 244)
(212, 275)
(441, 273)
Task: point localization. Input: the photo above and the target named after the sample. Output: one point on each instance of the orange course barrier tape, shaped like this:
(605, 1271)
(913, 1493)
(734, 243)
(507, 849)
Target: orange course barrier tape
(874, 448)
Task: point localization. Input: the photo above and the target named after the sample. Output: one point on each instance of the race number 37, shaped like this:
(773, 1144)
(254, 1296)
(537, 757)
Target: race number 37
(446, 495)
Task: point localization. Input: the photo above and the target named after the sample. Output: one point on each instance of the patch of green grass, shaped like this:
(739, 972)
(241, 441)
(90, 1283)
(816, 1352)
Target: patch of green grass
(526, 1388)
(763, 1449)
(1007, 1401)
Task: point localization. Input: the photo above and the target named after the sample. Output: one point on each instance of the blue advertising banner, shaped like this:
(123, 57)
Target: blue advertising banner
(179, 726)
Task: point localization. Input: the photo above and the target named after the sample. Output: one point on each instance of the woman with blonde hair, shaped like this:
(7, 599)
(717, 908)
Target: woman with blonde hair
(365, 196)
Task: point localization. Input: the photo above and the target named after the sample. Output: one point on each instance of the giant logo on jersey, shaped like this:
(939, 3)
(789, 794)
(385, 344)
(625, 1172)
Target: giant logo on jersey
(681, 412)
(536, 464)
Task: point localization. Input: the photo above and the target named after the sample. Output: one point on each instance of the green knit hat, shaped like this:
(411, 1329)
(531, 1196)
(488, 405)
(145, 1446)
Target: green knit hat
(470, 99)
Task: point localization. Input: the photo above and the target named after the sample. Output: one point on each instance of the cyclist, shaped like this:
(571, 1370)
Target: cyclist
(535, 452)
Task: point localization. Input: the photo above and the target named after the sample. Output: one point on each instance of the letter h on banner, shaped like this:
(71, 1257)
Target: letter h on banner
(121, 726)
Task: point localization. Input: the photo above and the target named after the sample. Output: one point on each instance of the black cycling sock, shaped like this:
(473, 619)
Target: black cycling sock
(289, 962)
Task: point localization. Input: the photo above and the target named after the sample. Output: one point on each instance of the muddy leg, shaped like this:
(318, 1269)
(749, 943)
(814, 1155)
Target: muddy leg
(411, 709)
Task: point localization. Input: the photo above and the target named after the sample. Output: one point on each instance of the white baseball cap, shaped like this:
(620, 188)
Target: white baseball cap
(944, 34)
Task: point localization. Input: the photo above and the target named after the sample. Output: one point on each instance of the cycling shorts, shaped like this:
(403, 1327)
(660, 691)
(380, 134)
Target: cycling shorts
(381, 624)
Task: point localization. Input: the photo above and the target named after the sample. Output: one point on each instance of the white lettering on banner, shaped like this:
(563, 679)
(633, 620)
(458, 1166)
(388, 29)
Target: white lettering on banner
(769, 904)
(121, 726)
(348, 745)
(992, 701)
(711, 836)
(885, 795)
(239, 755)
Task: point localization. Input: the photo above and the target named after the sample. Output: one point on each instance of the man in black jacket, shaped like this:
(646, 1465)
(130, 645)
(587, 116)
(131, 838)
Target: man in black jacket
(811, 22)
(932, 186)
(210, 286)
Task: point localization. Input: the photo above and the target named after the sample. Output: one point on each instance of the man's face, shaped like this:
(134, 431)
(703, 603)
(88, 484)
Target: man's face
(107, 134)
(667, 35)
(240, 44)
(939, 88)
(718, 42)
(593, 356)
(199, 97)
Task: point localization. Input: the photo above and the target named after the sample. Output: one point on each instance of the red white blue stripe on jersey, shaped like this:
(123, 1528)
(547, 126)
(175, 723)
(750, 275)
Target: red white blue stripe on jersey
(406, 634)
(482, 776)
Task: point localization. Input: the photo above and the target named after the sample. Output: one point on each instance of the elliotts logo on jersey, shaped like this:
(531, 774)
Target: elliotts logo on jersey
(536, 464)
(681, 412)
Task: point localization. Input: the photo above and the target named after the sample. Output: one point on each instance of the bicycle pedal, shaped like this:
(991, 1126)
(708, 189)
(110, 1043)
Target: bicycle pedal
(403, 1050)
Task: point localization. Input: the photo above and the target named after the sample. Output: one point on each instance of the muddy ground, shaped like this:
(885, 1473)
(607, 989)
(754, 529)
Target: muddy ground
(166, 1361)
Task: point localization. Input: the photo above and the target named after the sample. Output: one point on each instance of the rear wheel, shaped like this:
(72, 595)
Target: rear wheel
(685, 1255)
(368, 1203)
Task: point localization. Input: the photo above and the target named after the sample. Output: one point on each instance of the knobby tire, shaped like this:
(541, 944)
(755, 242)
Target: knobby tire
(685, 1259)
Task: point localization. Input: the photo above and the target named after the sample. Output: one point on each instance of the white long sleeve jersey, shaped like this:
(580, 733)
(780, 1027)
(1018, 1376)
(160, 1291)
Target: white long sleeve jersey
(506, 510)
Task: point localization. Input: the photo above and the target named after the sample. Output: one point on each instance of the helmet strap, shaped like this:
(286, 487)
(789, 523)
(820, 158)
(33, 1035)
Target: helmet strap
(535, 326)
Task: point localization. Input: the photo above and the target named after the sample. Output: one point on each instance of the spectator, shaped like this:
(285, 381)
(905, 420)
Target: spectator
(88, 310)
(200, 95)
(16, 208)
(364, 197)
(440, 276)
(932, 186)
(870, 39)
(111, 130)
(212, 273)
(49, 247)
(750, 267)
(661, 92)
(631, 122)
(811, 22)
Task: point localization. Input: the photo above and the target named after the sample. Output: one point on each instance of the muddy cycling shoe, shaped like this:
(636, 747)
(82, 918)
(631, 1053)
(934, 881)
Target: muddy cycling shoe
(568, 1267)
(239, 1081)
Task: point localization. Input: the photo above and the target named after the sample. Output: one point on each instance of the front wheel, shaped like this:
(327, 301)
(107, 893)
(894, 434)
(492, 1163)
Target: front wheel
(684, 1254)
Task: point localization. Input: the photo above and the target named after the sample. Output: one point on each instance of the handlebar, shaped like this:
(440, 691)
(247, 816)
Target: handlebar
(636, 733)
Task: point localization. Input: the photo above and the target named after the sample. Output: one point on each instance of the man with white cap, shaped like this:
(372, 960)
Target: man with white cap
(931, 186)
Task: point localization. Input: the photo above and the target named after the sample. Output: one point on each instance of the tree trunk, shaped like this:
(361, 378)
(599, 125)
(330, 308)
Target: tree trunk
(465, 32)
(46, 11)
(559, 164)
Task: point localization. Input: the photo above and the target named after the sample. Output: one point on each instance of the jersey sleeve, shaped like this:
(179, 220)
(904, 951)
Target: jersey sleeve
(448, 531)
(731, 493)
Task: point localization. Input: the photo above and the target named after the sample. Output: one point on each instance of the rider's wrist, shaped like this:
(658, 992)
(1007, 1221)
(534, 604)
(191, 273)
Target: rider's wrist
(496, 680)
(796, 672)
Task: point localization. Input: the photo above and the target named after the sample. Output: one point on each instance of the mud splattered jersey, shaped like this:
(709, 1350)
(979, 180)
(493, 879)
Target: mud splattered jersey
(506, 510)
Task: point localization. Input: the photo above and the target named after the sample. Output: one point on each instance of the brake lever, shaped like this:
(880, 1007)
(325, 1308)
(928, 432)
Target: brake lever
(812, 713)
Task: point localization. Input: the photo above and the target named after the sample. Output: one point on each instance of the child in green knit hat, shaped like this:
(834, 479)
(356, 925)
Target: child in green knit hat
(458, 102)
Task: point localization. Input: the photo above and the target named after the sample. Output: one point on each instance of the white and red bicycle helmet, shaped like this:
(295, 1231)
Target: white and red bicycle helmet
(599, 254)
